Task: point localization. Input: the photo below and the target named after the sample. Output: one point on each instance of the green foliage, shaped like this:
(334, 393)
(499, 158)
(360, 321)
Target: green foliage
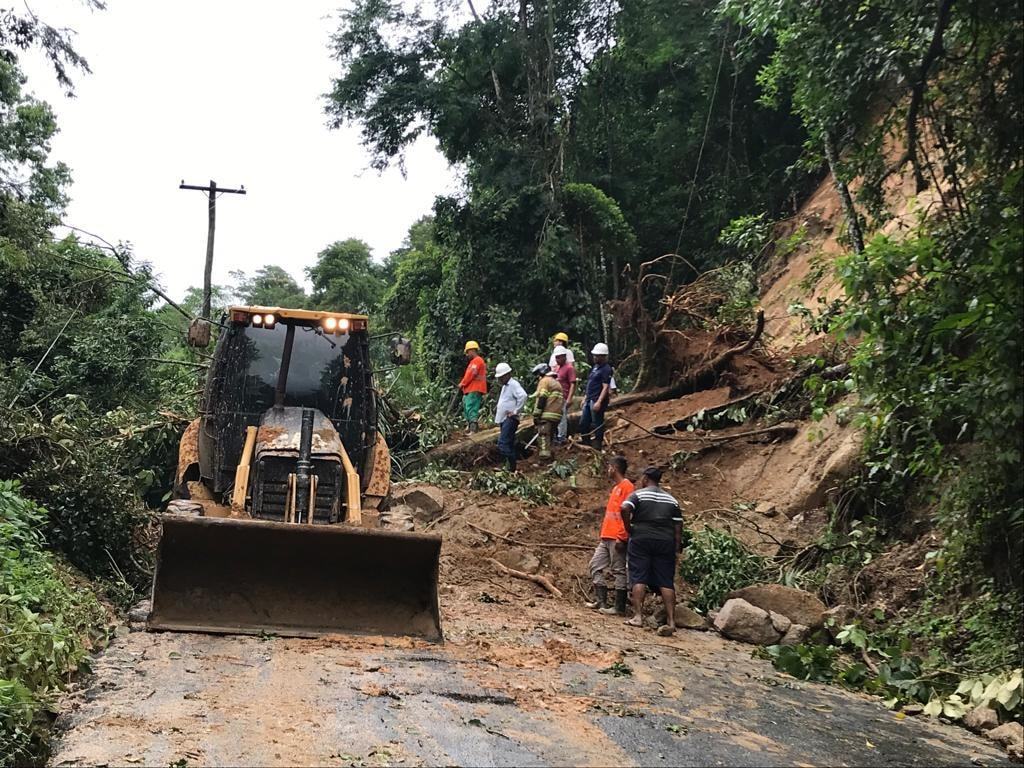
(503, 483)
(716, 563)
(47, 627)
(271, 286)
(899, 677)
(346, 279)
(749, 235)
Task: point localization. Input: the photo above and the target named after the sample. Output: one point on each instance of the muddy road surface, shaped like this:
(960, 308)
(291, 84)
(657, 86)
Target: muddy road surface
(518, 682)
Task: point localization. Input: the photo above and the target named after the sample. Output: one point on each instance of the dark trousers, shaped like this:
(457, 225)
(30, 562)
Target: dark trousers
(507, 441)
(592, 421)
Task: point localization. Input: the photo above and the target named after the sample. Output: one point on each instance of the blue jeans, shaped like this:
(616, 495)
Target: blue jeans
(592, 421)
(507, 441)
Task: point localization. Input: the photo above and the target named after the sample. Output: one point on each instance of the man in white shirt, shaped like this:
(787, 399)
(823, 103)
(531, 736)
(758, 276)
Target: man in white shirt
(506, 415)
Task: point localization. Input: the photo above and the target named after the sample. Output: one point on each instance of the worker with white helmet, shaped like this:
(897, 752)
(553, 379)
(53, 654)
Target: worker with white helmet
(473, 385)
(595, 398)
(565, 372)
(510, 404)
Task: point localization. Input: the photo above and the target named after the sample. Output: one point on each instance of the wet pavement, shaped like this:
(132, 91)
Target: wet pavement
(544, 686)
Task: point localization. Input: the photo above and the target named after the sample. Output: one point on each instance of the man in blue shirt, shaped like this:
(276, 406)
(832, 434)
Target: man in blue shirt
(595, 398)
(506, 415)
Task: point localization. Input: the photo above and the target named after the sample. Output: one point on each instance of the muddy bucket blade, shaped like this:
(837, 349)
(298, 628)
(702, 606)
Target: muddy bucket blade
(252, 576)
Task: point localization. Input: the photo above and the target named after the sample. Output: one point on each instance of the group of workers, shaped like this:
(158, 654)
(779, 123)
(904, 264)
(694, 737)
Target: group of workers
(556, 388)
(641, 533)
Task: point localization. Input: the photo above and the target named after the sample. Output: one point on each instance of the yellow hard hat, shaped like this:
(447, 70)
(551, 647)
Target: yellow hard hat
(471, 345)
(561, 336)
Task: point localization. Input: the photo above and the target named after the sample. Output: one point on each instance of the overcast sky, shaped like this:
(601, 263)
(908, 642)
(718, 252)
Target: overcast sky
(225, 90)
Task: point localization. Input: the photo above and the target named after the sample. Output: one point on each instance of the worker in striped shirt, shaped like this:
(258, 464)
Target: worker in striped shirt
(654, 522)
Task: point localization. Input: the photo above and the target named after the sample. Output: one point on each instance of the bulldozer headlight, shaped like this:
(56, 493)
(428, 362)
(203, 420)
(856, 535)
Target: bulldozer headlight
(343, 324)
(269, 320)
(257, 319)
(330, 324)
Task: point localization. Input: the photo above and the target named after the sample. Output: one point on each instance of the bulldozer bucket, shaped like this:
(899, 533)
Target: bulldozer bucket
(253, 576)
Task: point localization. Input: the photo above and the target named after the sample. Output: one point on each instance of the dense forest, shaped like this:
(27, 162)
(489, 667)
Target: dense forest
(596, 141)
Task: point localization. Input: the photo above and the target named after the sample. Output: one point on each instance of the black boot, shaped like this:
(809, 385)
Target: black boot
(601, 597)
(620, 604)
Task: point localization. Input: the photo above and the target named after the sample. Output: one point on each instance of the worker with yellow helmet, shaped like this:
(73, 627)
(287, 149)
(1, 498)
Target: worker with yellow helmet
(473, 386)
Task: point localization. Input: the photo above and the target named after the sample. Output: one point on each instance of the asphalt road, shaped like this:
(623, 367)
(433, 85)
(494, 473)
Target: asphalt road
(513, 685)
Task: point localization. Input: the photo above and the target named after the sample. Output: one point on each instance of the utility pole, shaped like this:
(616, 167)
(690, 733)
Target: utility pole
(212, 189)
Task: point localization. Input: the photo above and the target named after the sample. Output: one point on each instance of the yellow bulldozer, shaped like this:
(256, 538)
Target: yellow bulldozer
(279, 486)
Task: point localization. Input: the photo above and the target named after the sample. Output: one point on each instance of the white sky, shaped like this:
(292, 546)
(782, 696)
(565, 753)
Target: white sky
(225, 90)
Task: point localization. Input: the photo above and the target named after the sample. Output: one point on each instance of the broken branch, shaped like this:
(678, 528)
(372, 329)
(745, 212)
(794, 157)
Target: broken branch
(535, 578)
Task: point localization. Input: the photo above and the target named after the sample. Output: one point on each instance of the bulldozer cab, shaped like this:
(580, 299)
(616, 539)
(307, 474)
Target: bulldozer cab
(287, 438)
(266, 368)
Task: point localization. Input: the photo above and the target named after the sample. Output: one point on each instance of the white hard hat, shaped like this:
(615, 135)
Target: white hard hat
(560, 350)
(502, 369)
(599, 349)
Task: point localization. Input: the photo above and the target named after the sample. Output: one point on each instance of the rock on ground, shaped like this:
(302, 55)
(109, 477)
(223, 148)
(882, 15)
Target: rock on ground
(837, 617)
(780, 622)
(981, 719)
(739, 620)
(425, 499)
(795, 635)
(1011, 736)
(798, 606)
(686, 617)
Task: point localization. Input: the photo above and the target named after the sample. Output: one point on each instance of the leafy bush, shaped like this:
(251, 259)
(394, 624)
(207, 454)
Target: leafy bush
(47, 627)
(504, 483)
(716, 563)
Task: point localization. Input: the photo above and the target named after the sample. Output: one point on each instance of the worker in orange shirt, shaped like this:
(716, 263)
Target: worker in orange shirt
(610, 554)
(473, 386)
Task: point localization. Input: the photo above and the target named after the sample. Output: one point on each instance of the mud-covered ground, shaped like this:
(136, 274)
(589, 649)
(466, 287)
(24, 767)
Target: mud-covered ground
(524, 682)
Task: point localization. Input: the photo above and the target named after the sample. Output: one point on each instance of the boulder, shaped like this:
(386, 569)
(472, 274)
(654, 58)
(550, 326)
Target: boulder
(798, 606)
(739, 620)
(767, 509)
(423, 498)
(780, 622)
(1011, 736)
(981, 719)
(795, 635)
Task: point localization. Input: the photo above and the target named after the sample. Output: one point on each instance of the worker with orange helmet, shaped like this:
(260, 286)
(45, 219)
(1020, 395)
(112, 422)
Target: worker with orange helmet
(473, 386)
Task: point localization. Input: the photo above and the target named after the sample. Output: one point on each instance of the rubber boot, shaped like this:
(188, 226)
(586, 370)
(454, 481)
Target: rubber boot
(600, 599)
(544, 443)
(474, 427)
(619, 609)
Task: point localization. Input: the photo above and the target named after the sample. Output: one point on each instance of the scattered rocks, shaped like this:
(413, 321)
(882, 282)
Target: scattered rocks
(767, 509)
(184, 507)
(796, 634)
(798, 606)
(400, 517)
(140, 612)
(1011, 736)
(981, 719)
(780, 622)
(740, 620)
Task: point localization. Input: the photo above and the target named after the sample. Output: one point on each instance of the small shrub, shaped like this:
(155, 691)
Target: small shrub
(47, 627)
(716, 563)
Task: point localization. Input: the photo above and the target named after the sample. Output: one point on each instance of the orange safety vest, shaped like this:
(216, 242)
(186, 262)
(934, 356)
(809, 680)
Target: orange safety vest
(475, 377)
(612, 527)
